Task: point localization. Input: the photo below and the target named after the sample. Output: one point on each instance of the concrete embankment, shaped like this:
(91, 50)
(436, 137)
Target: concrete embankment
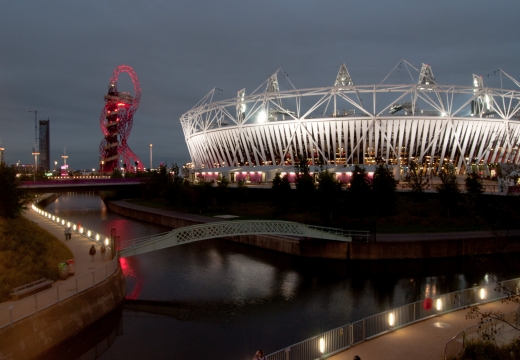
(33, 336)
(388, 246)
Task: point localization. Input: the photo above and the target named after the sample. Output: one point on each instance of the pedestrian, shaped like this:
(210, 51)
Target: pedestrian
(260, 355)
(102, 249)
(69, 233)
(357, 357)
(66, 234)
(92, 252)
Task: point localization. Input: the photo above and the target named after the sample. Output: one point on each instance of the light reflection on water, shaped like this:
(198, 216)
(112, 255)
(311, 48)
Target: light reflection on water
(225, 300)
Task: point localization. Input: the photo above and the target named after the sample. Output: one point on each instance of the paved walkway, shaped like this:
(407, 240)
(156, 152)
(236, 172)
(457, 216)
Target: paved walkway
(79, 245)
(424, 340)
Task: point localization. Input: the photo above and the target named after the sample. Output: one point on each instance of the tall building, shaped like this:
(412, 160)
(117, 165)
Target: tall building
(1, 154)
(45, 162)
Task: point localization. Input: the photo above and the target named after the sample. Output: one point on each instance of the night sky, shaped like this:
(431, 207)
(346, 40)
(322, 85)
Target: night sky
(58, 56)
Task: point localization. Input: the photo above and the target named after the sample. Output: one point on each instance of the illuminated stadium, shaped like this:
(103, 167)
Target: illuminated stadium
(255, 135)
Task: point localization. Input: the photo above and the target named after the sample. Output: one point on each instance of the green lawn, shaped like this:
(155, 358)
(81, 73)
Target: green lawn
(27, 253)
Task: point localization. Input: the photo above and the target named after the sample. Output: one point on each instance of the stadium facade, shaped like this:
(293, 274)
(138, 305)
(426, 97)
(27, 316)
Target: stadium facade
(251, 137)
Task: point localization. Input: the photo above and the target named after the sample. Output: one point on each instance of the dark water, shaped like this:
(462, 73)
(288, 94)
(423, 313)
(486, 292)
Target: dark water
(217, 299)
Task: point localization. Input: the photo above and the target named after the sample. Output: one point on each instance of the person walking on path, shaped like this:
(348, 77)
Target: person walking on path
(92, 252)
(260, 355)
(103, 249)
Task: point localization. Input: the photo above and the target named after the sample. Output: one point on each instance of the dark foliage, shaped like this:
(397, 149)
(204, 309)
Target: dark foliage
(384, 189)
(448, 189)
(329, 194)
(12, 198)
(281, 193)
(360, 191)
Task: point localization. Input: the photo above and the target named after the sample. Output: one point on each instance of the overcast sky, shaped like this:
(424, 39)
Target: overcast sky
(58, 56)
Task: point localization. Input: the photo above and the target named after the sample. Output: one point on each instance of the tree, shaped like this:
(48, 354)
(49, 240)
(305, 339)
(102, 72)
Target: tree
(360, 190)
(304, 184)
(417, 180)
(474, 185)
(281, 192)
(329, 194)
(13, 199)
(417, 183)
(384, 187)
(116, 174)
(448, 189)
(223, 193)
(474, 191)
(508, 176)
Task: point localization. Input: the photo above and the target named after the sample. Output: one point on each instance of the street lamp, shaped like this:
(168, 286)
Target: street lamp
(151, 157)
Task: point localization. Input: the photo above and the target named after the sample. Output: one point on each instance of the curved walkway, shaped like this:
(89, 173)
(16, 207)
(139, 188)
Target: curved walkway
(79, 245)
(424, 340)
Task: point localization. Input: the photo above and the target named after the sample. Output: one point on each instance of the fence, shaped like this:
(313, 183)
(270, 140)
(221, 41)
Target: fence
(491, 327)
(343, 337)
(20, 309)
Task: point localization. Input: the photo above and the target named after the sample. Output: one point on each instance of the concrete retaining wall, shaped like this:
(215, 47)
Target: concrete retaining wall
(420, 249)
(33, 336)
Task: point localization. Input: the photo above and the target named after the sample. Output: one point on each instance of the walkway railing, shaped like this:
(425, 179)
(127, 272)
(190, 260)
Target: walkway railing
(80, 181)
(493, 327)
(337, 340)
(21, 309)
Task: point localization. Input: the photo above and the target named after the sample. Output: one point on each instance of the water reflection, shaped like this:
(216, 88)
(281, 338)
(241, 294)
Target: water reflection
(92, 342)
(226, 299)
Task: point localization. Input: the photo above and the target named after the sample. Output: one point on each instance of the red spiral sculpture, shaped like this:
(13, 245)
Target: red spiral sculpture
(116, 123)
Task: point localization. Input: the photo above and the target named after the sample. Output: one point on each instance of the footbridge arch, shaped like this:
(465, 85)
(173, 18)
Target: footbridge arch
(213, 230)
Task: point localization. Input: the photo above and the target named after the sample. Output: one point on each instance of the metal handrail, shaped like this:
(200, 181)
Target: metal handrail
(338, 231)
(25, 307)
(341, 338)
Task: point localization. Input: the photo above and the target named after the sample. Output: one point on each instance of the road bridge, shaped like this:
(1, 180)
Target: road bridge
(70, 185)
(189, 234)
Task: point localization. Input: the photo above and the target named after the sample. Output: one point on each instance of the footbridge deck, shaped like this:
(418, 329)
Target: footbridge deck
(207, 231)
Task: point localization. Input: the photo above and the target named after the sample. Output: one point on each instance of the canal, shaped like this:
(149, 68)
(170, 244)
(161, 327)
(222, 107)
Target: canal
(222, 300)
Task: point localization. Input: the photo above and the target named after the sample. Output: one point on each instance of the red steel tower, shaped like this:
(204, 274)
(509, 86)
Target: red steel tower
(116, 123)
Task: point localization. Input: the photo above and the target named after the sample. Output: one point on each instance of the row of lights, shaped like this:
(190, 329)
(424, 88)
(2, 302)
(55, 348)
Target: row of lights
(78, 228)
(391, 317)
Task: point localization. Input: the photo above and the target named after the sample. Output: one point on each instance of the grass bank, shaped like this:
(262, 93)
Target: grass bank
(27, 253)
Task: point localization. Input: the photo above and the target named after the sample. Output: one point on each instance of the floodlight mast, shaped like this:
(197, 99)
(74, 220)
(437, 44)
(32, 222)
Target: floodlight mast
(426, 76)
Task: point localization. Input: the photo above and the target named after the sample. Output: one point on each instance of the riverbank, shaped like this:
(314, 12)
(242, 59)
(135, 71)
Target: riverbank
(38, 333)
(387, 246)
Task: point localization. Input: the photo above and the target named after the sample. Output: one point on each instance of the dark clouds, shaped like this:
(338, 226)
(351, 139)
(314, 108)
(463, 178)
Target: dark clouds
(59, 55)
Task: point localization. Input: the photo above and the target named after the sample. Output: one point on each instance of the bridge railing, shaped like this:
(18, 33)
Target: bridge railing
(124, 244)
(339, 339)
(80, 182)
(354, 234)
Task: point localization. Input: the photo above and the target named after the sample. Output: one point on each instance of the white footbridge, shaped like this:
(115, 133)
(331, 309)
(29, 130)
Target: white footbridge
(213, 230)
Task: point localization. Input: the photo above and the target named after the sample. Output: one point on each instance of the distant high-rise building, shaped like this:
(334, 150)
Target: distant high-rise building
(45, 162)
(1, 154)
